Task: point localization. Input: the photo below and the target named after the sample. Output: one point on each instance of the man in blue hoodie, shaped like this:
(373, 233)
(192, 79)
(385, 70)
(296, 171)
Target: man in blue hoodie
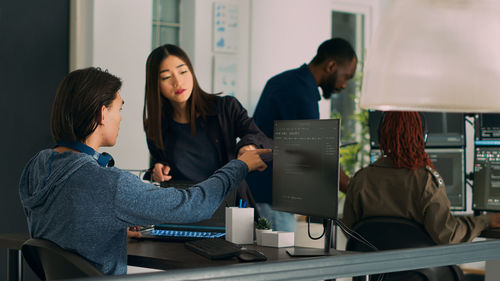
(69, 191)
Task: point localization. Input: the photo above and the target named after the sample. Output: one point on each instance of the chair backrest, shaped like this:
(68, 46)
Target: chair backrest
(51, 262)
(389, 233)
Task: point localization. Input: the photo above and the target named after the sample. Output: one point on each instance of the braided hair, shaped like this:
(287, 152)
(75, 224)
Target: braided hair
(402, 140)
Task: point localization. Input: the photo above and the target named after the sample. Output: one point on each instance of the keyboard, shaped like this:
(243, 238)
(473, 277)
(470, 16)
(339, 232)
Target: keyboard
(179, 235)
(214, 248)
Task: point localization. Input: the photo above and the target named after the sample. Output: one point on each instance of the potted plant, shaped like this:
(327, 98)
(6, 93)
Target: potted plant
(263, 225)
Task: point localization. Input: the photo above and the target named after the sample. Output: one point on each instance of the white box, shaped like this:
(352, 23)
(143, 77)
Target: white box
(278, 239)
(239, 225)
(258, 235)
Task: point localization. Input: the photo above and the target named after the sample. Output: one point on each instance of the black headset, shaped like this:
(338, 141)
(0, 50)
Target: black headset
(104, 159)
(425, 131)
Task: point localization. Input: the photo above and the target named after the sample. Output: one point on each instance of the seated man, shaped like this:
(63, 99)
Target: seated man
(403, 183)
(73, 198)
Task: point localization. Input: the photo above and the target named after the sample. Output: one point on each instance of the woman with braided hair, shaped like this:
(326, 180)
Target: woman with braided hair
(403, 183)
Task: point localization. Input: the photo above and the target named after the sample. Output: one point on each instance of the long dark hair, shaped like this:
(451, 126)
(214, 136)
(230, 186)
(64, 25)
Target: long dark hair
(76, 111)
(402, 140)
(198, 104)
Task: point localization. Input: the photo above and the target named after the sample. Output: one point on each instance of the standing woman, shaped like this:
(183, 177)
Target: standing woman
(191, 133)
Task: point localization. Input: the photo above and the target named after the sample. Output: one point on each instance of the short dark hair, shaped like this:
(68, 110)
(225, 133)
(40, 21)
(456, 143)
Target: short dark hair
(76, 110)
(337, 49)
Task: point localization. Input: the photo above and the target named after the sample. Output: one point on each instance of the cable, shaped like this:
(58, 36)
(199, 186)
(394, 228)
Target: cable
(470, 183)
(351, 233)
(309, 230)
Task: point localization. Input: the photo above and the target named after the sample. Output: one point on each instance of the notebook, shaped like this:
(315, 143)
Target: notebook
(211, 228)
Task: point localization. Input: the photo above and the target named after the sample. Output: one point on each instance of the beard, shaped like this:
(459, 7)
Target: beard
(328, 86)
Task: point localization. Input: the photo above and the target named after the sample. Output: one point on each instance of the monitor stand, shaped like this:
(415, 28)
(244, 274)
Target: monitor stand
(313, 252)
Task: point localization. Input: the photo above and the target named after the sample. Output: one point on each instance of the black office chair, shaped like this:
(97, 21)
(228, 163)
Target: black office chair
(51, 262)
(389, 233)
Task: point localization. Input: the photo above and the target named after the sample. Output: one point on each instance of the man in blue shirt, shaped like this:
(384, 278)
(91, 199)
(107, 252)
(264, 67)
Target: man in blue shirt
(294, 95)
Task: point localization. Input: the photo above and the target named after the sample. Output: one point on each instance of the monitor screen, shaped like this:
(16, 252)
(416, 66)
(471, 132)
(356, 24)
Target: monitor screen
(486, 191)
(450, 164)
(443, 129)
(487, 129)
(306, 167)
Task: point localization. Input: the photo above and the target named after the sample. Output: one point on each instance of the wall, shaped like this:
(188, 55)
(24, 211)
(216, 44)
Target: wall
(275, 35)
(116, 35)
(33, 60)
(284, 35)
(196, 39)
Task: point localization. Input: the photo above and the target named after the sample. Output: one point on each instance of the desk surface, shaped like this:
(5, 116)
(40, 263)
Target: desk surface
(168, 255)
(174, 255)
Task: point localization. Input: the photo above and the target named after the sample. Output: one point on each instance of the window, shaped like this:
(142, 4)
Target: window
(351, 26)
(166, 22)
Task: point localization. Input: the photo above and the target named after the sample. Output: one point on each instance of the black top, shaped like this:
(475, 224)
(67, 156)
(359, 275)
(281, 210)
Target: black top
(228, 122)
(192, 165)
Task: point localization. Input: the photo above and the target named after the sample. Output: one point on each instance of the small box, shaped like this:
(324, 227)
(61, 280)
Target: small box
(278, 239)
(258, 235)
(239, 225)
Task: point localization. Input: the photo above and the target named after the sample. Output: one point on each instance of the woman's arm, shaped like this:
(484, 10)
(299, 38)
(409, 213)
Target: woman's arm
(442, 226)
(244, 126)
(157, 157)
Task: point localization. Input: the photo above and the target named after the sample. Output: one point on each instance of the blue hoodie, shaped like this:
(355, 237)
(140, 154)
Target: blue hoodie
(85, 208)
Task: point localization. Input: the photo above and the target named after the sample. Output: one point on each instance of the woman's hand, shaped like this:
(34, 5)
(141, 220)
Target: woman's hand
(133, 232)
(253, 160)
(161, 173)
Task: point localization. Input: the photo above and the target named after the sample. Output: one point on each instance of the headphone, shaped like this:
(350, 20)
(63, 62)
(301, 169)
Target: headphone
(104, 159)
(425, 131)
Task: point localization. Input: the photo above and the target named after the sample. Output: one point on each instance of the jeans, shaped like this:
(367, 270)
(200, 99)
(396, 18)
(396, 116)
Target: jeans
(281, 221)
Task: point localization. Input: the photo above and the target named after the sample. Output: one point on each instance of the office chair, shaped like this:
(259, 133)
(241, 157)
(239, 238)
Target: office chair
(51, 262)
(389, 233)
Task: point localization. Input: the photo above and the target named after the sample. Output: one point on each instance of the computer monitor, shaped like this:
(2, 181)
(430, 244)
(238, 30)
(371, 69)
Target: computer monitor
(306, 169)
(486, 191)
(450, 164)
(443, 129)
(487, 129)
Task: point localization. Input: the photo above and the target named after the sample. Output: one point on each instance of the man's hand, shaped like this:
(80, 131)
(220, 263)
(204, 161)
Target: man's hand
(253, 160)
(246, 148)
(161, 173)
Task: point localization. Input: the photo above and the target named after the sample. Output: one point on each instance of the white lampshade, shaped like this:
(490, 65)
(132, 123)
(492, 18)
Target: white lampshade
(435, 55)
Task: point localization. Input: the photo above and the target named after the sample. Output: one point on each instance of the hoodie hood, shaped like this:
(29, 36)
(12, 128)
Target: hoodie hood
(44, 171)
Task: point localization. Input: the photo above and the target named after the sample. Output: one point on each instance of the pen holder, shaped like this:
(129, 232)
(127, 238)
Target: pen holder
(239, 225)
